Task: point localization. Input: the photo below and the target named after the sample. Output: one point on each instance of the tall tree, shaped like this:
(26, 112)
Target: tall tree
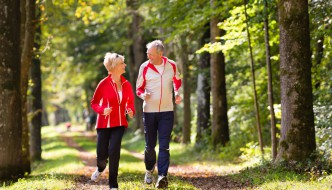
(10, 98)
(27, 38)
(137, 54)
(258, 122)
(270, 87)
(297, 140)
(203, 88)
(182, 54)
(36, 100)
(220, 128)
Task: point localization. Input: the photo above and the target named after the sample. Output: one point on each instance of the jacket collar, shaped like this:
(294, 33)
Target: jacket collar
(122, 78)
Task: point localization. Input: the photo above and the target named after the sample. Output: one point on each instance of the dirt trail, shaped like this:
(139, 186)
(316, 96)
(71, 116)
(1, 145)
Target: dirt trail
(204, 178)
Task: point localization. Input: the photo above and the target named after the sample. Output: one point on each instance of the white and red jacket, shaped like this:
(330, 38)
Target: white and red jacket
(106, 95)
(159, 85)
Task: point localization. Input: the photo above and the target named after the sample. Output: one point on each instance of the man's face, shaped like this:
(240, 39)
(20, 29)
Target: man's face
(153, 55)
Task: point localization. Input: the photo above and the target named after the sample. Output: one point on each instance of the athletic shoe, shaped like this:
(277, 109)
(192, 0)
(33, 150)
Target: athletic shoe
(162, 182)
(148, 179)
(95, 176)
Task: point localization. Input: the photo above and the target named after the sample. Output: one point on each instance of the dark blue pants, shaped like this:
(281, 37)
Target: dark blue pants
(158, 124)
(109, 146)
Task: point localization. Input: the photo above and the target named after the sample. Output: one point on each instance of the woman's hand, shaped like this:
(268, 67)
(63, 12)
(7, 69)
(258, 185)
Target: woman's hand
(107, 111)
(130, 113)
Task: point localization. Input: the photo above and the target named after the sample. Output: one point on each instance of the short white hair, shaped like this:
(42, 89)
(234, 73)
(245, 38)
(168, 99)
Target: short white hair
(112, 59)
(158, 44)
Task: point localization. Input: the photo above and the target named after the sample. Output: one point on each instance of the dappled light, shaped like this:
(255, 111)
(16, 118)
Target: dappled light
(196, 94)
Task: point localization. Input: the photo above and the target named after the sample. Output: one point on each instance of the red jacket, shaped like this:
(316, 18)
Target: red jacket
(106, 95)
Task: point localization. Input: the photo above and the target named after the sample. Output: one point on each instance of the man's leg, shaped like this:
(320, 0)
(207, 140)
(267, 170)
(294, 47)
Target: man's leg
(150, 130)
(165, 127)
(114, 155)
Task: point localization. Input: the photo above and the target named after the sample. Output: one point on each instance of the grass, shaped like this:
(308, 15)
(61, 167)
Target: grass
(51, 172)
(57, 169)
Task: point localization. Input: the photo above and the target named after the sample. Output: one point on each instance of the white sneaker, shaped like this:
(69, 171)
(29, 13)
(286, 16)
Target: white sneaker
(114, 188)
(95, 176)
(149, 176)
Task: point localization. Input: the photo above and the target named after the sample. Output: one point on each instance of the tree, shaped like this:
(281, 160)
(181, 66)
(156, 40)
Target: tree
(136, 54)
(203, 88)
(36, 99)
(182, 54)
(270, 87)
(10, 99)
(27, 38)
(297, 140)
(220, 128)
(258, 122)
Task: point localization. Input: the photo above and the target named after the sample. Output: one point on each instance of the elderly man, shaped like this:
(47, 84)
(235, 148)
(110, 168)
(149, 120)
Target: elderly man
(157, 79)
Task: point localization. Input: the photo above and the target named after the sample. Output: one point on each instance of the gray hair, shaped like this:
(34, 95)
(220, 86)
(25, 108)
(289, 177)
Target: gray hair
(158, 44)
(112, 59)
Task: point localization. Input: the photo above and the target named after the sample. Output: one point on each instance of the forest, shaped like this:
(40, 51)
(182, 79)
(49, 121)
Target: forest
(256, 76)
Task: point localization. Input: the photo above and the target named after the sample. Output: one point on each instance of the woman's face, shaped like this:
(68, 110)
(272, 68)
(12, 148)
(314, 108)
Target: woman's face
(120, 68)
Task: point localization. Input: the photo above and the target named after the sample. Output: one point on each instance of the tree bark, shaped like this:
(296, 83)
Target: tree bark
(137, 56)
(36, 102)
(259, 130)
(270, 86)
(203, 90)
(220, 128)
(183, 55)
(297, 140)
(27, 39)
(10, 97)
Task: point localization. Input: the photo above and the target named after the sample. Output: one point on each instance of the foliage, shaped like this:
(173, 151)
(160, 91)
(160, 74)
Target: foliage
(77, 34)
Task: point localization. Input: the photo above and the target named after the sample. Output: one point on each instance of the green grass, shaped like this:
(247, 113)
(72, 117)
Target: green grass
(56, 170)
(52, 171)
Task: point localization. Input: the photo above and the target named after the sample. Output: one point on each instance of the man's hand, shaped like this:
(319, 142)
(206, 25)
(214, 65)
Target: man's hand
(178, 99)
(146, 95)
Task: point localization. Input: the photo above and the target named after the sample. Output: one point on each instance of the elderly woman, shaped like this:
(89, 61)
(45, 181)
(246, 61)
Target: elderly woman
(112, 100)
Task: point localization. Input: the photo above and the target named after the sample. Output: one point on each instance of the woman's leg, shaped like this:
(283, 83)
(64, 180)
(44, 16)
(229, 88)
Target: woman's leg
(103, 136)
(114, 154)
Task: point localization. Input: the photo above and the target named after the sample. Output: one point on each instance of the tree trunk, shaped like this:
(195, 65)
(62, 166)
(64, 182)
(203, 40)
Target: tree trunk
(137, 56)
(297, 139)
(203, 89)
(220, 128)
(27, 39)
(36, 102)
(10, 98)
(259, 130)
(183, 55)
(319, 56)
(270, 87)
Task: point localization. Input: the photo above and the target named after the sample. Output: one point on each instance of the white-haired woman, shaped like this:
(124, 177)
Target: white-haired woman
(112, 100)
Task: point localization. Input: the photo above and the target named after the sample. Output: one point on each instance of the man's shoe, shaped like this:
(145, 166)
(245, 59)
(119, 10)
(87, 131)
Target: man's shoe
(162, 182)
(148, 179)
(95, 176)
(114, 189)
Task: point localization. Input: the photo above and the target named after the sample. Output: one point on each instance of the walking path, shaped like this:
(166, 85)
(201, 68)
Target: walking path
(205, 178)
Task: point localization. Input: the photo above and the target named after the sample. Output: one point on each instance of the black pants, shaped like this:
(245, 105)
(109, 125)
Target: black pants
(109, 146)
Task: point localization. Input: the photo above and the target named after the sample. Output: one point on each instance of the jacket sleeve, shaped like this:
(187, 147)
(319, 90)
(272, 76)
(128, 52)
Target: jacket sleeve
(177, 82)
(96, 102)
(140, 83)
(131, 99)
